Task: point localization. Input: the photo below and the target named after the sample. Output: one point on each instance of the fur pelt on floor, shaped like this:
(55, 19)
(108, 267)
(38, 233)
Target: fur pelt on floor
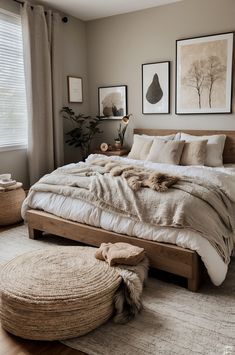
(128, 298)
(138, 177)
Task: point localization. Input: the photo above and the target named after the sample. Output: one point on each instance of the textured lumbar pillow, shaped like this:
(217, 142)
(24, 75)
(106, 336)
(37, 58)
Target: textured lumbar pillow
(214, 149)
(166, 152)
(194, 153)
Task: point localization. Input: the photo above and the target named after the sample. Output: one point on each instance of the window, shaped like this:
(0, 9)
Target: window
(13, 110)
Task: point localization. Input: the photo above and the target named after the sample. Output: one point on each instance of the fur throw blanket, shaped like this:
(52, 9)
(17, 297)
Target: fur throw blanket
(138, 177)
(128, 298)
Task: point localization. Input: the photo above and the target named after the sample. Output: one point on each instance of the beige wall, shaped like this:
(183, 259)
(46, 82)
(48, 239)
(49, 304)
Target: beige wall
(73, 47)
(75, 64)
(118, 45)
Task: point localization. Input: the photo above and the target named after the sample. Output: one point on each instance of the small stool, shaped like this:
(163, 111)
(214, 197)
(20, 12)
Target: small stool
(56, 293)
(11, 199)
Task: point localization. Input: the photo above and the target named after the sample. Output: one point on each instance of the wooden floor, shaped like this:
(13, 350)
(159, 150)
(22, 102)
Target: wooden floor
(11, 345)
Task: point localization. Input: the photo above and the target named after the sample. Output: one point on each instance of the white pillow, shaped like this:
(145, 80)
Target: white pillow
(170, 137)
(214, 149)
(142, 144)
(177, 136)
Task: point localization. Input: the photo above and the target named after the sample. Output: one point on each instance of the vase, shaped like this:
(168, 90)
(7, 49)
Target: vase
(117, 145)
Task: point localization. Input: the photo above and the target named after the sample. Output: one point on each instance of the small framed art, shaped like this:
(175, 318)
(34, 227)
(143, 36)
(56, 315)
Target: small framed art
(204, 74)
(75, 90)
(112, 101)
(156, 88)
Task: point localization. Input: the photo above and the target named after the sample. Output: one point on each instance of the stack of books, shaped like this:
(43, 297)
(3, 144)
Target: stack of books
(6, 181)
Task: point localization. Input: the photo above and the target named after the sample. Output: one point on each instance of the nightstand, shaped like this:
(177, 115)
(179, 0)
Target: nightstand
(112, 152)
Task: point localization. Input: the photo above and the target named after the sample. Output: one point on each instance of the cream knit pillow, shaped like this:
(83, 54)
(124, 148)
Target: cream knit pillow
(167, 152)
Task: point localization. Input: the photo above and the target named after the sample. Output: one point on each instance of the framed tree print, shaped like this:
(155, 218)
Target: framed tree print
(204, 74)
(112, 101)
(155, 88)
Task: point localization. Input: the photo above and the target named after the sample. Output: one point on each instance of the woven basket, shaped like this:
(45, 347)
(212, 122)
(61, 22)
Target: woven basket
(56, 293)
(10, 206)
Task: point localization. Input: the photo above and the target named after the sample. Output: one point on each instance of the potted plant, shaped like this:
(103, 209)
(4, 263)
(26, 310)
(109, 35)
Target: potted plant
(83, 131)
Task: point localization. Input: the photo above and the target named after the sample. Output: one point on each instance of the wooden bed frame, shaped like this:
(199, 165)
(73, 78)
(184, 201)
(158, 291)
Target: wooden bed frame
(163, 256)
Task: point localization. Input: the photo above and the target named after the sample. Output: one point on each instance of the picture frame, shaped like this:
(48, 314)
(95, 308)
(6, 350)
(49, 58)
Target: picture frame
(156, 88)
(112, 101)
(204, 71)
(75, 89)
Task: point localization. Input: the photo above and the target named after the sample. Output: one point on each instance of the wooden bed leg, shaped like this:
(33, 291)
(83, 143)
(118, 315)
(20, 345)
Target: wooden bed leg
(34, 233)
(193, 285)
(194, 282)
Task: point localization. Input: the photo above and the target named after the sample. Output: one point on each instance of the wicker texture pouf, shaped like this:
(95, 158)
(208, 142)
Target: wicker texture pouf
(56, 293)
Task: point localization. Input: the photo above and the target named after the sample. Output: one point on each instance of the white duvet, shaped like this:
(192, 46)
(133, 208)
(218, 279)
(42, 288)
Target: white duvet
(84, 212)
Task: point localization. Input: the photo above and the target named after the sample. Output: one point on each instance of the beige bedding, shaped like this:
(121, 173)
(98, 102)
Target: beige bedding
(191, 203)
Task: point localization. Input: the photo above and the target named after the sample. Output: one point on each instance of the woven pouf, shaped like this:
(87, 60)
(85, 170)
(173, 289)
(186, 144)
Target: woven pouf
(56, 293)
(10, 205)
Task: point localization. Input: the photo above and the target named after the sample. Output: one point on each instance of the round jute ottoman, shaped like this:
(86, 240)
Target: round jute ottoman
(56, 293)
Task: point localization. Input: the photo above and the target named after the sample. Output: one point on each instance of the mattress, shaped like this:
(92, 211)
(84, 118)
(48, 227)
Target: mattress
(83, 212)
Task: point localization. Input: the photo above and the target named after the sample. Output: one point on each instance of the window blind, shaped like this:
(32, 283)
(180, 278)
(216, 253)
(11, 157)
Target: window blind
(13, 110)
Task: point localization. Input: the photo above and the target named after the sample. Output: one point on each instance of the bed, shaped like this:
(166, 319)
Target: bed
(182, 259)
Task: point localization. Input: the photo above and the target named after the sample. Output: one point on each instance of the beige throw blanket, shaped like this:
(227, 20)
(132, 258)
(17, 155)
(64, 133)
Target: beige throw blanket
(120, 253)
(190, 203)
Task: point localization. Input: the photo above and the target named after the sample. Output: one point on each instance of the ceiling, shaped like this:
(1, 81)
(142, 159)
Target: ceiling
(92, 9)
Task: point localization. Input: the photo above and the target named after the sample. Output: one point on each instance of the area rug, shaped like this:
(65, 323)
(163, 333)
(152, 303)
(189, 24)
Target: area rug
(173, 321)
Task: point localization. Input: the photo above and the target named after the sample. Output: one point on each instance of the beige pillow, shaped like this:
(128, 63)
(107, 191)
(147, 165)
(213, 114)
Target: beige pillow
(142, 144)
(194, 153)
(167, 152)
(140, 148)
(214, 149)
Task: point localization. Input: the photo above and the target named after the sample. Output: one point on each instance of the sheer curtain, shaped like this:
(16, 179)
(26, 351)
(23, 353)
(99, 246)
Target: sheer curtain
(41, 40)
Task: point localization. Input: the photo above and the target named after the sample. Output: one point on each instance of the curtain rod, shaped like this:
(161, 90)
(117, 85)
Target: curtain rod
(64, 19)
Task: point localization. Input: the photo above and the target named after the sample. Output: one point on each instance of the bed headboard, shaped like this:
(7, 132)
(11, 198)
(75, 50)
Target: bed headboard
(229, 148)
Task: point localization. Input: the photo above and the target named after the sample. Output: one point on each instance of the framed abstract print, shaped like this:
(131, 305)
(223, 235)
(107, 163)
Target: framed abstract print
(112, 101)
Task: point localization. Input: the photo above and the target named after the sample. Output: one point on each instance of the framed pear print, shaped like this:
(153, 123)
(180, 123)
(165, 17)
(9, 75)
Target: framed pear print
(156, 88)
